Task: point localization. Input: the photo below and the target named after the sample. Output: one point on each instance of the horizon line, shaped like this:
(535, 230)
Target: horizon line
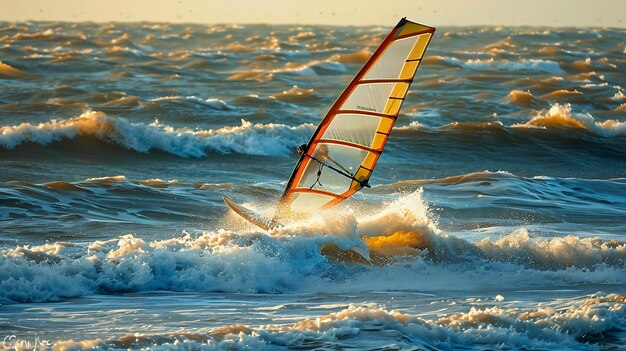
(302, 24)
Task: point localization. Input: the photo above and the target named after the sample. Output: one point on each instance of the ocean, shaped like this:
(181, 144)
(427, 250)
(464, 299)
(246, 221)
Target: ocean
(496, 219)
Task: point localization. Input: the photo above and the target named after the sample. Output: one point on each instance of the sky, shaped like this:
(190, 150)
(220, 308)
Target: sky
(603, 13)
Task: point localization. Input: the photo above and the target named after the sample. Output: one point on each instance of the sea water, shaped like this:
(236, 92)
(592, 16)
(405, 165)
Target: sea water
(496, 217)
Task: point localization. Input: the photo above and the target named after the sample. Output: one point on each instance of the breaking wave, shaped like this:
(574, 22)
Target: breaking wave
(520, 97)
(544, 66)
(476, 329)
(296, 94)
(272, 139)
(400, 241)
(251, 139)
(562, 116)
(215, 104)
(7, 70)
(557, 116)
(313, 68)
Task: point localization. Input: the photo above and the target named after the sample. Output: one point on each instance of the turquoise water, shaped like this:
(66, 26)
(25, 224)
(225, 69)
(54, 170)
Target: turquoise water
(495, 220)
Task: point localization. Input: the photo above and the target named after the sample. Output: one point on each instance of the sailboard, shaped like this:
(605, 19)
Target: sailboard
(249, 215)
(343, 151)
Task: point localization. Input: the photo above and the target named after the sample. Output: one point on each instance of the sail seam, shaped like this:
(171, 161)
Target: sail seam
(390, 80)
(361, 112)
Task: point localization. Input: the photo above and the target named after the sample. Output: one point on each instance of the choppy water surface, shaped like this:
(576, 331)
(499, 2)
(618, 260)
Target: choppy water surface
(497, 218)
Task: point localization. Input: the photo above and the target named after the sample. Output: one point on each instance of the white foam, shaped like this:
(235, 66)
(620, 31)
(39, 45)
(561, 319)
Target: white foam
(213, 262)
(619, 96)
(248, 138)
(332, 66)
(359, 326)
(414, 125)
(561, 116)
(289, 258)
(215, 104)
(113, 179)
(545, 66)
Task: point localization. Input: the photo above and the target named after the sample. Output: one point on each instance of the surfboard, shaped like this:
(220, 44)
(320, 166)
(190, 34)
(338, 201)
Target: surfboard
(253, 217)
(342, 153)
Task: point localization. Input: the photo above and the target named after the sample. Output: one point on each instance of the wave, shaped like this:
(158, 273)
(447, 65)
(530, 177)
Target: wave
(619, 96)
(486, 177)
(106, 180)
(357, 57)
(154, 182)
(558, 116)
(414, 125)
(401, 239)
(37, 210)
(260, 139)
(562, 93)
(407, 220)
(504, 195)
(533, 65)
(365, 326)
(296, 94)
(166, 200)
(7, 70)
(260, 76)
(520, 97)
(562, 116)
(263, 139)
(43, 35)
(215, 104)
(461, 178)
(250, 139)
(582, 65)
(481, 126)
(332, 65)
(37, 35)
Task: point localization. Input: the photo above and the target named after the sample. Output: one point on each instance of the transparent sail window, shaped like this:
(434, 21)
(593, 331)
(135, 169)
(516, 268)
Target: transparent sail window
(308, 202)
(343, 158)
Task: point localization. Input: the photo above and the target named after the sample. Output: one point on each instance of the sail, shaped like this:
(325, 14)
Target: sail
(342, 153)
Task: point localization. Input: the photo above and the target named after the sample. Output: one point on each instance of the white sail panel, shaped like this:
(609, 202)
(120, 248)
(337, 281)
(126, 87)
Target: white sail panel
(390, 64)
(385, 98)
(369, 97)
(353, 128)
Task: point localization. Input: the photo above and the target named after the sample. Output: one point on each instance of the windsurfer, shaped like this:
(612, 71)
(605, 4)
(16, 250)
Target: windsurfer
(301, 149)
(321, 156)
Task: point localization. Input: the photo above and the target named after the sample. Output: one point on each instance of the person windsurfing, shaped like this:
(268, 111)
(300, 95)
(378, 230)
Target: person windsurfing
(321, 156)
(351, 136)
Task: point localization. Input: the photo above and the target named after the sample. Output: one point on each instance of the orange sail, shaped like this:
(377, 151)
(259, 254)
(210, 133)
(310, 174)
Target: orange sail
(342, 153)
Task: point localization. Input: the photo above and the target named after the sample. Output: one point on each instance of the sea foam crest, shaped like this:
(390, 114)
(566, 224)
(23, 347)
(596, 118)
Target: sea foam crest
(545, 66)
(561, 116)
(251, 139)
(215, 104)
(476, 329)
(413, 253)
